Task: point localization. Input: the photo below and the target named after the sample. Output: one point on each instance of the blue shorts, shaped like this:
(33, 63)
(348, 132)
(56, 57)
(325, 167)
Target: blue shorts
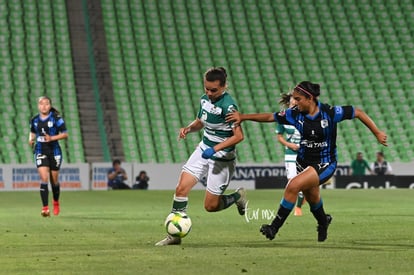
(325, 170)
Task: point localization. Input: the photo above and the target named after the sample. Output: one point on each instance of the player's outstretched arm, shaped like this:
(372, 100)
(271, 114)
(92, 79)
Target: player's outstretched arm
(194, 126)
(380, 135)
(237, 137)
(237, 117)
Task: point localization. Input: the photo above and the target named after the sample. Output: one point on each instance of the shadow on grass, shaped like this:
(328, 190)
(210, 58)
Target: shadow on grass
(91, 217)
(359, 245)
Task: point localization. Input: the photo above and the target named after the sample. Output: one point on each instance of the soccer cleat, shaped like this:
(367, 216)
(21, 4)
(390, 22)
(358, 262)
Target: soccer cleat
(242, 201)
(298, 211)
(45, 211)
(56, 208)
(268, 231)
(169, 240)
(323, 230)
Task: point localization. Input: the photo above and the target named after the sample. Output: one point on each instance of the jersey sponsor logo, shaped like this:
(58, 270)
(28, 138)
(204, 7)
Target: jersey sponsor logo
(324, 123)
(40, 139)
(211, 108)
(312, 144)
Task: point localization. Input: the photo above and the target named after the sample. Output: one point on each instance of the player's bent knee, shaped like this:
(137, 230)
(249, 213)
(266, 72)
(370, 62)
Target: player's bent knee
(211, 206)
(293, 188)
(182, 189)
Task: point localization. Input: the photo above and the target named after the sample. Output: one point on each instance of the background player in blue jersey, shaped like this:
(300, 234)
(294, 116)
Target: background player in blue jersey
(317, 157)
(215, 156)
(46, 128)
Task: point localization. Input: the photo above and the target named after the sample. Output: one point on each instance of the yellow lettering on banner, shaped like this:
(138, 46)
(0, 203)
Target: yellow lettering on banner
(24, 185)
(70, 185)
(100, 184)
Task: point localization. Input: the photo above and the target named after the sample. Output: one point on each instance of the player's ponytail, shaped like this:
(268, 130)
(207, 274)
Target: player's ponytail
(53, 109)
(285, 100)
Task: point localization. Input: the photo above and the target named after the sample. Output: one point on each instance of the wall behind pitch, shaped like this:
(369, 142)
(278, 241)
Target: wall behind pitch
(86, 176)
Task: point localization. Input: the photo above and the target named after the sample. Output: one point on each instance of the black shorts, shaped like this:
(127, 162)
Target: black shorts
(325, 170)
(49, 160)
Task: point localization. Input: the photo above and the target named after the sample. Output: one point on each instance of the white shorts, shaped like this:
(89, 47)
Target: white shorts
(290, 169)
(218, 173)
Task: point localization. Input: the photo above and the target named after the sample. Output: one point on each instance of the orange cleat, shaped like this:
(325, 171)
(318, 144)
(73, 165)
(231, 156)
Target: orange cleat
(45, 211)
(298, 211)
(56, 208)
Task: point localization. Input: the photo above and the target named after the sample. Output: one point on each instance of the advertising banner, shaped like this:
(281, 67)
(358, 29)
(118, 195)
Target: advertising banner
(24, 177)
(371, 182)
(346, 182)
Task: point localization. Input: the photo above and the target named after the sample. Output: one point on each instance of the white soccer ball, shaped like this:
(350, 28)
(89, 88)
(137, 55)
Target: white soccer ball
(178, 224)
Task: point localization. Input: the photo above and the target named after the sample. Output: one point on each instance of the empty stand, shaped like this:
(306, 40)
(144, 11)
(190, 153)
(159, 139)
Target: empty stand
(355, 49)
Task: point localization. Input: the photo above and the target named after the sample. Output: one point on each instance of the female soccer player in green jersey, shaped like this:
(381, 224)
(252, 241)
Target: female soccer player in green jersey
(215, 156)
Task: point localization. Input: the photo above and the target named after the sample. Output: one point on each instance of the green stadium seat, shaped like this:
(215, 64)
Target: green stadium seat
(32, 32)
(265, 52)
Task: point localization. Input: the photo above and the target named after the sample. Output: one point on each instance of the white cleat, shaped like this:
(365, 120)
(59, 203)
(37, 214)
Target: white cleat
(169, 240)
(242, 202)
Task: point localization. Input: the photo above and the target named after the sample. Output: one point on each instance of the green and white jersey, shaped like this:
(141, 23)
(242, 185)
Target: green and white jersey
(216, 129)
(291, 135)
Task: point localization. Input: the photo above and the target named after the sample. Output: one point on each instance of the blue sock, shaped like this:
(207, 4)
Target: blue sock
(316, 206)
(287, 204)
(284, 210)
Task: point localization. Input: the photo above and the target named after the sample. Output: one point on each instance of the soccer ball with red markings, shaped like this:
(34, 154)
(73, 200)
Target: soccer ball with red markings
(178, 224)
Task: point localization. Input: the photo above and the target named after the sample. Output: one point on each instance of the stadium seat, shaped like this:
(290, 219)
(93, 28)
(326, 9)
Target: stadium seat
(159, 50)
(39, 54)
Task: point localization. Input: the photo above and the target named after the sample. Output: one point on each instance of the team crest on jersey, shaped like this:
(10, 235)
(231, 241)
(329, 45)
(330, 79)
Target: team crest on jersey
(50, 124)
(324, 123)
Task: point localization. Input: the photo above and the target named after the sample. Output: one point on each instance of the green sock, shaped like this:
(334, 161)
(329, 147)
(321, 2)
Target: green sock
(228, 200)
(179, 204)
(300, 199)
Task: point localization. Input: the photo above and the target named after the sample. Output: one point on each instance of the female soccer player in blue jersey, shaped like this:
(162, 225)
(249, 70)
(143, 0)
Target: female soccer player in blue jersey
(215, 156)
(317, 157)
(46, 128)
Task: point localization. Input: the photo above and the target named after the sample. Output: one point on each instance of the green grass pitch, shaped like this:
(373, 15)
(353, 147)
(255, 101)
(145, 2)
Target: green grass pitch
(114, 233)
